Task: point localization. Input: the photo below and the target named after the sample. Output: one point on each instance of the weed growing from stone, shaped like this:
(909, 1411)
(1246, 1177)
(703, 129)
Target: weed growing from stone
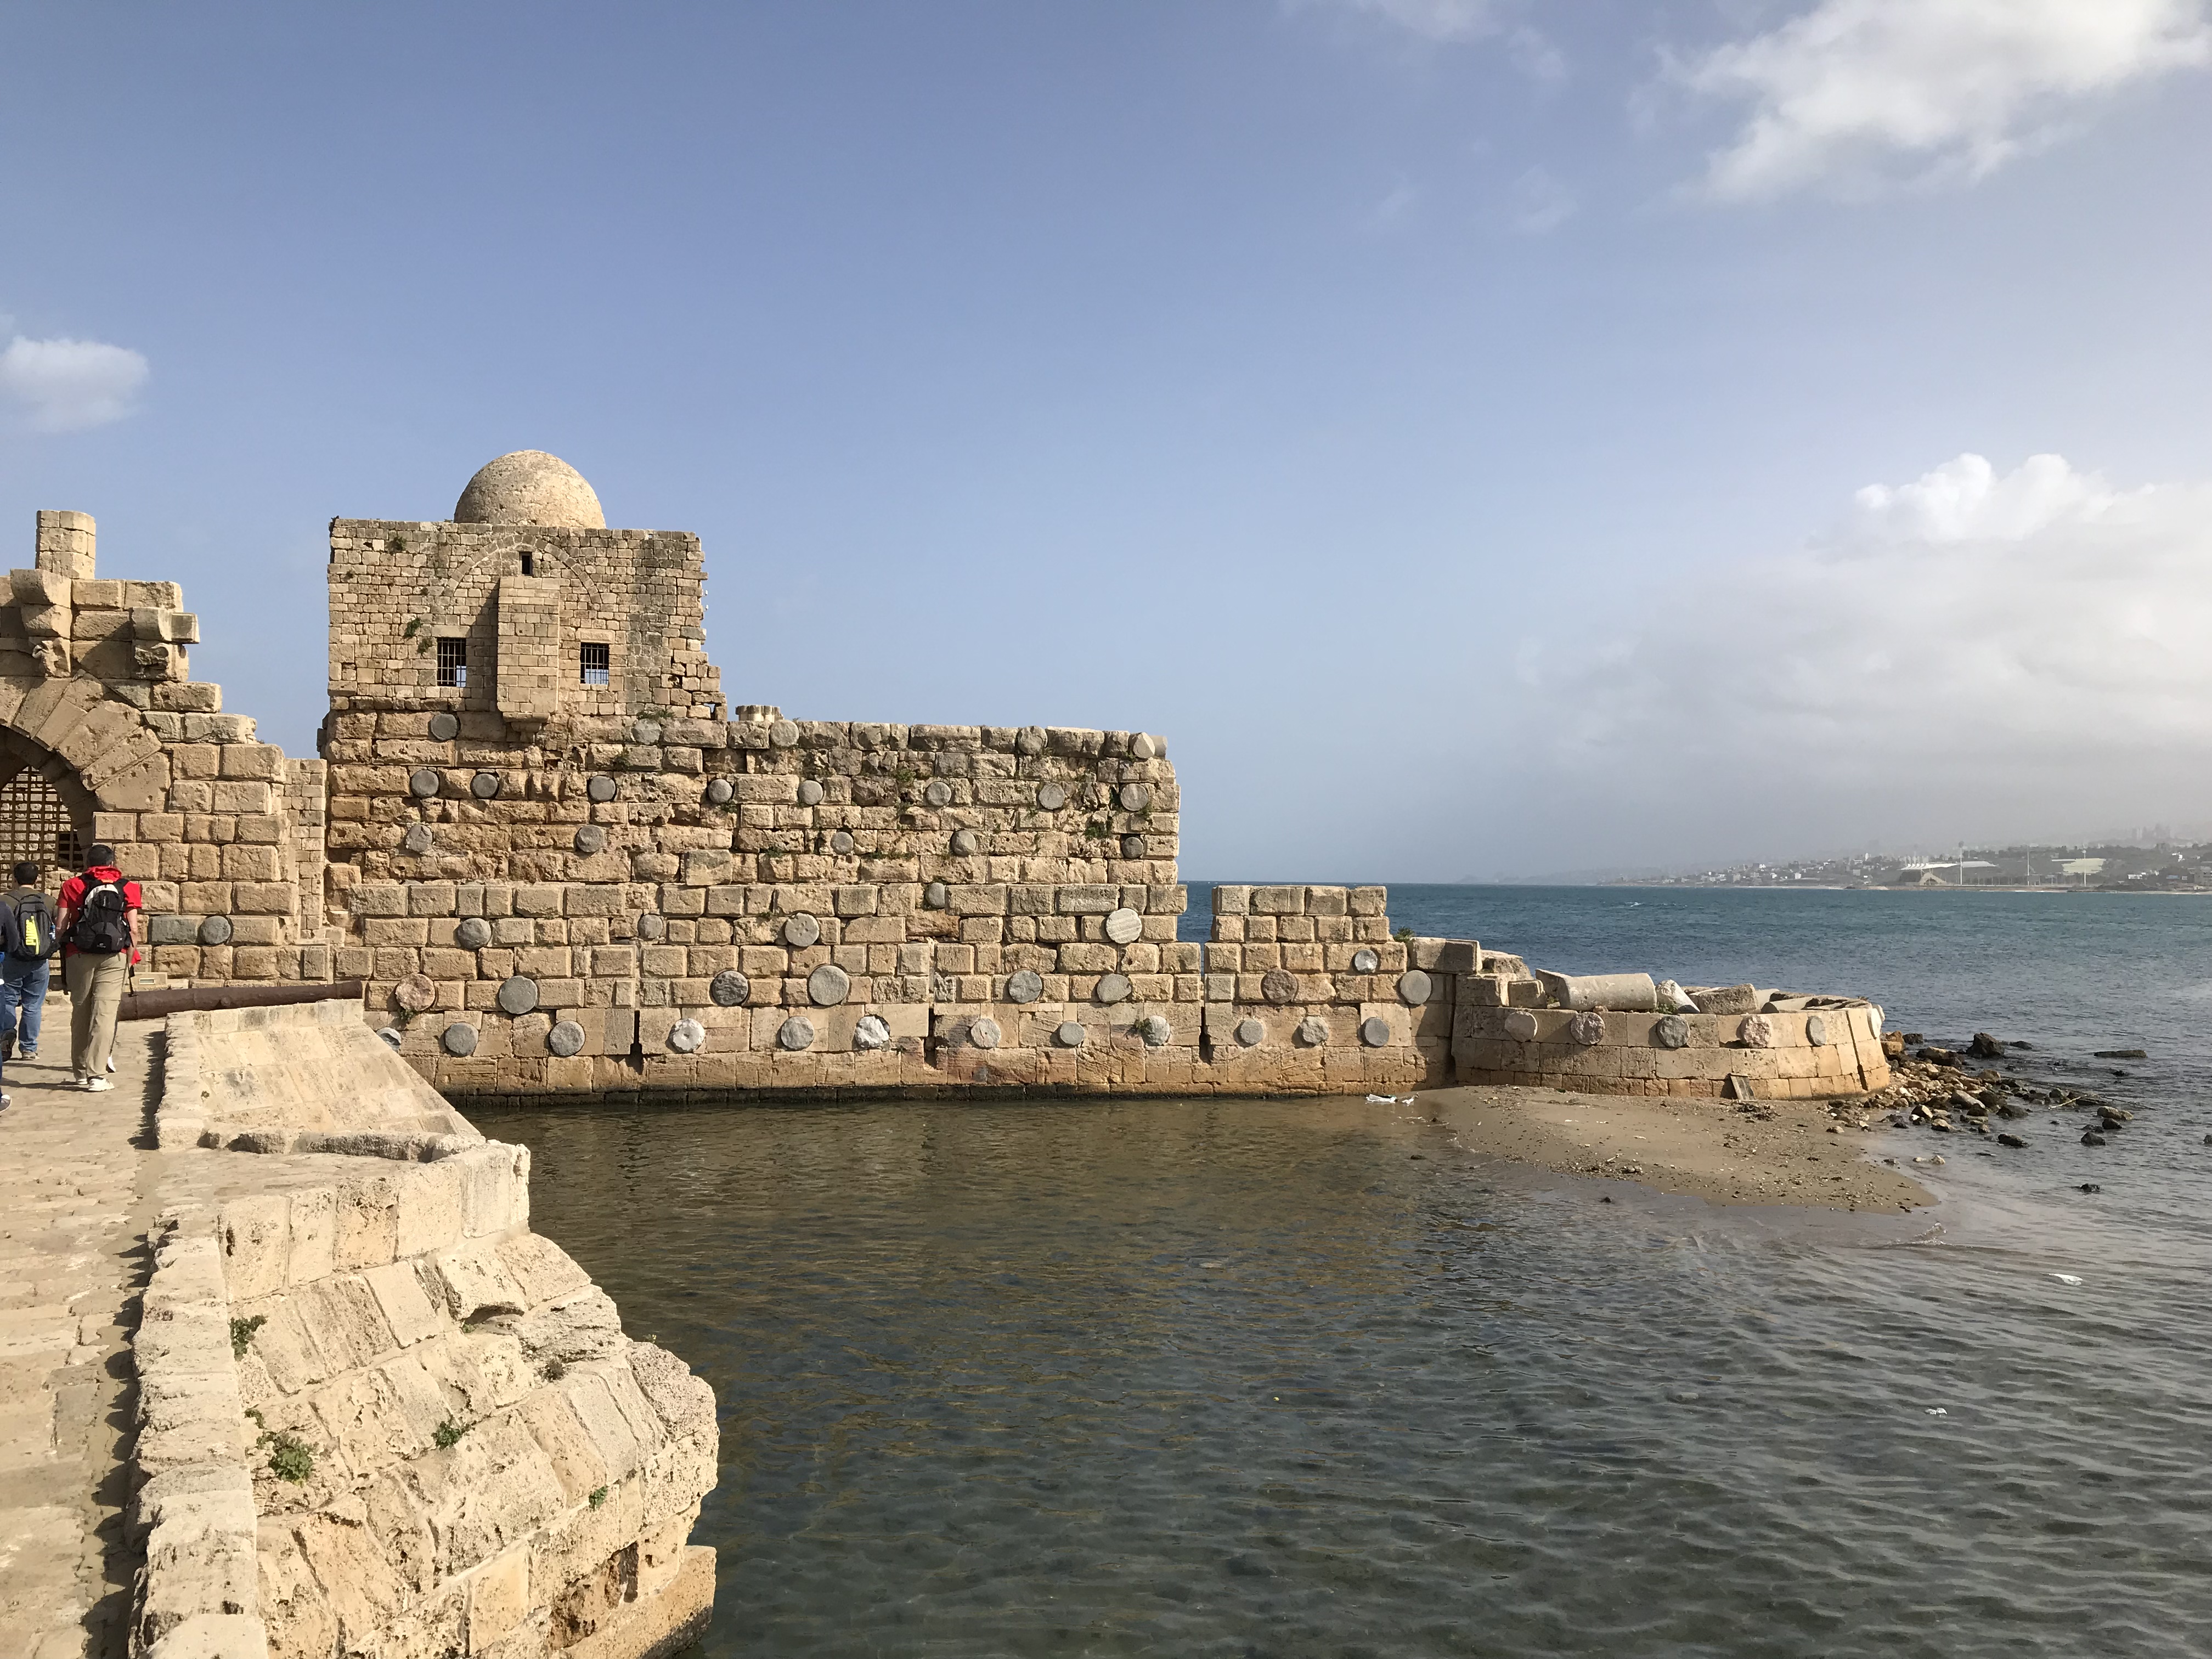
(290, 1459)
(241, 1333)
(599, 1497)
(448, 1434)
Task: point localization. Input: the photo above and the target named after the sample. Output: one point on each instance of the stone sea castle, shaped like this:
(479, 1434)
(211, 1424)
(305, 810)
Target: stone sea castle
(559, 863)
(376, 1415)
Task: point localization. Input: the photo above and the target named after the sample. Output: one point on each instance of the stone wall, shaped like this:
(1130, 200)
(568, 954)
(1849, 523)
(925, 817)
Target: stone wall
(379, 1416)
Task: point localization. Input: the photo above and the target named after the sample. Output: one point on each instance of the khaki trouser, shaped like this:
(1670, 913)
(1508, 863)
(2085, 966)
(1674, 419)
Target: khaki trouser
(95, 987)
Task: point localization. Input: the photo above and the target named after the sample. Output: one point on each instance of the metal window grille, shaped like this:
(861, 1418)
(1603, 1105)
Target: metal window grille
(35, 827)
(452, 662)
(598, 668)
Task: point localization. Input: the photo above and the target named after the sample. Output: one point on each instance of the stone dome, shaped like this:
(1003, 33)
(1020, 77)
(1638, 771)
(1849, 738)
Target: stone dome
(530, 487)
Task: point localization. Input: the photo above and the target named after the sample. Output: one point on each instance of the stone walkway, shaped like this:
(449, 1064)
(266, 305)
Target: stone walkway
(76, 1200)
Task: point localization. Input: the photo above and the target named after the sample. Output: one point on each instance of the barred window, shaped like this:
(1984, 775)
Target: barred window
(598, 667)
(35, 827)
(452, 662)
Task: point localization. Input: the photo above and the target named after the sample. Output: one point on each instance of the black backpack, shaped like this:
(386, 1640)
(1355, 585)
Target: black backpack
(103, 922)
(34, 924)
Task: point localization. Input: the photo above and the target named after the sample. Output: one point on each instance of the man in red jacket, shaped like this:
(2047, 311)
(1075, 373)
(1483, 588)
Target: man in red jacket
(101, 917)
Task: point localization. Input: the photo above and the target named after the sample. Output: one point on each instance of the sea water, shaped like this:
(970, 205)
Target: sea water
(1303, 1378)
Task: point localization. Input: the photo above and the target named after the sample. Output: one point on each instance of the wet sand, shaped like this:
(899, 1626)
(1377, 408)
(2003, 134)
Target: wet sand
(1779, 1151)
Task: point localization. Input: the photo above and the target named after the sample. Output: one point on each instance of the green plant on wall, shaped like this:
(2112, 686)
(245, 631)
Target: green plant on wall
(241, 1333)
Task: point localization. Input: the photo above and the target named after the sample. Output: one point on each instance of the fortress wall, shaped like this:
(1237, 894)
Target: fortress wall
(1799, 1055)
(380, 1415)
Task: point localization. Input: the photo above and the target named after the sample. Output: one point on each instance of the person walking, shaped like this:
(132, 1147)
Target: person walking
(101, 917)
(9, 938)
(25, 969)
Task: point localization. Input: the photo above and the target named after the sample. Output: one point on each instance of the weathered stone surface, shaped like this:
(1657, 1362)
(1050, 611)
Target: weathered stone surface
(1051, 797)
(936, 895)
(424, 782)
(1521, 1026)
(1375, 1031)
(1251, 1033)
(784, 734)
(390, 1034)
(1756, 1030)
(871, 1032)
(1366, 961)
(652, 926)
(590, 839)
(1414, 987)
(485, 786)
(686, 1035)
(983, 1032)
(1153, 1031)
(795, 1033)
(517, 995)
(444, 727)
(1816, 1029)
(1671, 1032)
(938, 793)
(1124, 927)
(719, 791)
(460, 1039)
(1133, 846)
(801, 930)
(810, 793)
(1025, 986)
(1587, 1027)
(1727, 999)
(602, 789)
(1143, 746)
(215, 930)
(1068, 1034)
(565, 1039)
(729, 989)
(828, 986)
(1632, 993)
(966, 843)
(472, 933)
(1135, 797)
(1113, 987)
(840, 843)
(1029, 740)
(530, 487)
(1278, 986)
(415, 993)
(1312, 1032)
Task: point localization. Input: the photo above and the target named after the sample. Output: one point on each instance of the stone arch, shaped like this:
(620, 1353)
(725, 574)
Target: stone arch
(97, 744)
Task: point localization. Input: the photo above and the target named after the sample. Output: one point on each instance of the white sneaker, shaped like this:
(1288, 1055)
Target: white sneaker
(95, 1084)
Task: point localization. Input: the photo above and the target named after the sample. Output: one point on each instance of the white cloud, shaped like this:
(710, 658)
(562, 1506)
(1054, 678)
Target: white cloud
(1436, 20)
(1854, 95)
(1540, 202)
(1974, 649)
(66, 386)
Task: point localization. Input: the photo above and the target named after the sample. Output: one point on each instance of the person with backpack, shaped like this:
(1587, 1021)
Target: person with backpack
(101, 916)
(25, 969)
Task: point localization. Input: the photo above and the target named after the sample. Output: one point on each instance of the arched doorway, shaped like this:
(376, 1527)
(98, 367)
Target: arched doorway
(35, 827)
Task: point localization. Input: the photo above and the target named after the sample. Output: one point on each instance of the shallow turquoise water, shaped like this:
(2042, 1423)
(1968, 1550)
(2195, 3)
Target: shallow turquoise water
(1301, 1378)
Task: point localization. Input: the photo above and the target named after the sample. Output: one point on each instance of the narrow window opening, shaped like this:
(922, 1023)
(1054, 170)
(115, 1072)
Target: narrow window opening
(529, 564)
(35, 826)
(452, 662)
(597, 664)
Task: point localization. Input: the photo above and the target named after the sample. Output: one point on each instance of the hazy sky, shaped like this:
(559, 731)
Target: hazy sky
(1486, 436)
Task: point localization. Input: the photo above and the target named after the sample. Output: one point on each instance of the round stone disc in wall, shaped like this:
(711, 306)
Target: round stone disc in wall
(1671, 1032)
(810, 793)
(1068, 1034)
(390, 1034)
(1133, 846)
(484, 785)
(984, 1033)
(1816, 1029)
(871, 1032)
(719, 791)
(1029, 740)
(1142, 747)
(1113, 987)
(458, 1038)
(590, 839)
(1757, 1030)
(424, 782)
(1414, 987)
(565, 1039)
(801, 930)
(1051, 797)
(1124, 927)
(939, 793)
(1025, 986)
(472, 933)
(1312, 1031)
(215, 930)
(1521, 1026)
(1251, 1033)
(795, 1033)
(936, 895)
(602, 788)
(1135, 797)
(1278, 986)
(1587, 1028)
(1153, 1031)
(1873, 1020)
(517, 995)
(1366, 961)
(966, 843)
(417, 840)
(1375, 1031)
(729, 988)
(415, 993)
(444, 727)
(686, 1035)
(650, 926)
(828, 986)
(784, 734)
(842, 843)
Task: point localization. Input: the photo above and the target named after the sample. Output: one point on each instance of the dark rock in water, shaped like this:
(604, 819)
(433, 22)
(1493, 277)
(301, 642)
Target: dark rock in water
(1683, 1396)
(2120, 1054)
(1936, 1056)
(2207, 1140)
(2012, 1109)
(2010, 1141)
(2113, 1115)
(2091, 1137)
(1912, 1037)
(2017, 1044)
(2091, 1187)
(1985, 1047)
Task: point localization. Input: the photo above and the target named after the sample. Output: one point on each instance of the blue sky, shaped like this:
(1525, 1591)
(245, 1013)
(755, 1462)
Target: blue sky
(1485, 438)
